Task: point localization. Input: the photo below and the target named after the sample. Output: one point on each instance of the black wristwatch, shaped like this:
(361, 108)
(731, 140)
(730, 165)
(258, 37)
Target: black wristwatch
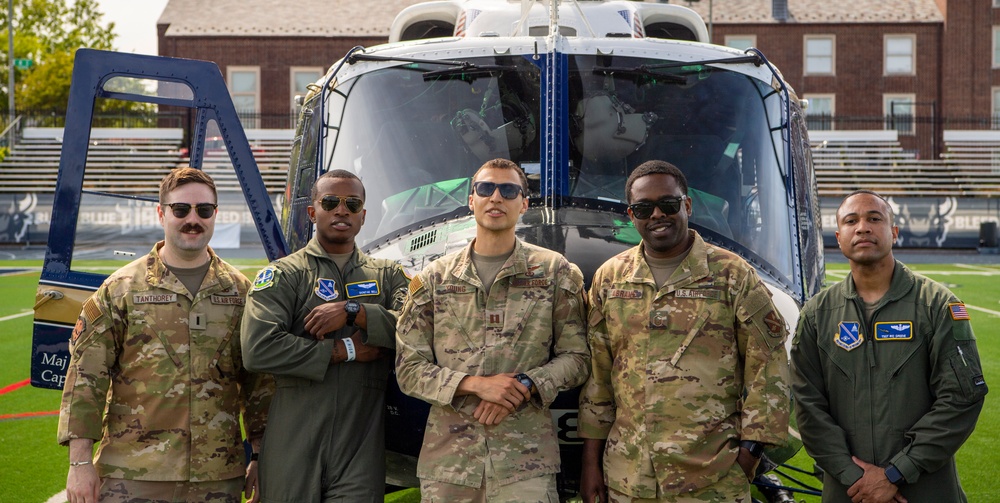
(756, 448)
(525, 381)
(352, 308)
(894, 475)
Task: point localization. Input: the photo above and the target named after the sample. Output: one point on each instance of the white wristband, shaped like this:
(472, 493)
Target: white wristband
(351, 353)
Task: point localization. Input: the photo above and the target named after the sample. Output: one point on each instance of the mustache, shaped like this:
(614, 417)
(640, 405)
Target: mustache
(189, 227)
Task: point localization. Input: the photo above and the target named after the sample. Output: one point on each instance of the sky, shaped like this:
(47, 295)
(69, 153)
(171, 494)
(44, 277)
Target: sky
(135, 23)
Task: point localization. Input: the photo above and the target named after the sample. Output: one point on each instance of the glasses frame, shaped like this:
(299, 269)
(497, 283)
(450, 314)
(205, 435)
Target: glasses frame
(668, 205)
(203, 210)
(328, 199)
(505, 189)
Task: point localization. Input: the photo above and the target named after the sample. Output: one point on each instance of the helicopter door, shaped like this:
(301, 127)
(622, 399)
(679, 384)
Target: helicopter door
(103, 210)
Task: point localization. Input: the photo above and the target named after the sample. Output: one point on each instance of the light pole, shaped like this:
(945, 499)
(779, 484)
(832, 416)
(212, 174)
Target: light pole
(10, 72)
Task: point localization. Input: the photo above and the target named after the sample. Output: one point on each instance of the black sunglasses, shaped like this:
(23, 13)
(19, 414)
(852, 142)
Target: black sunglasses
(668, 205)
(181, 210)
(330, 203)
(507, 190)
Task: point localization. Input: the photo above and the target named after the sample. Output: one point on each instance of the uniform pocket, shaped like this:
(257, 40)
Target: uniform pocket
(968, 372)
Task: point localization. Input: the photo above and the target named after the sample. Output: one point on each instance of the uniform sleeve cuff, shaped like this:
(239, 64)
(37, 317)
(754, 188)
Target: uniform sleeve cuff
(905, 465)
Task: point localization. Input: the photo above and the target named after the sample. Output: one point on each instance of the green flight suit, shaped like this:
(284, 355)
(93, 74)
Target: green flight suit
(325, 438)
(904, 388)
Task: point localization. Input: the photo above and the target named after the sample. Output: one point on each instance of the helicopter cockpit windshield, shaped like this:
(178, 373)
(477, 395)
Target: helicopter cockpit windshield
(416, 134)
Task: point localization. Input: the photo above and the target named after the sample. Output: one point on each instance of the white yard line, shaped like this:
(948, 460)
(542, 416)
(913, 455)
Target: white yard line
(983, 309)
(979, 268)
(13, 316)
(57, 498)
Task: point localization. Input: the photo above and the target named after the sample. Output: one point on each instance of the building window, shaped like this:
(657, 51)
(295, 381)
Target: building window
(819, 114)
(996, 3)
(741, 42)
(996, 47)
(820, 54)
(244, 86)
(301, 77)
(996, 108)
(899, 54)
(899, 110)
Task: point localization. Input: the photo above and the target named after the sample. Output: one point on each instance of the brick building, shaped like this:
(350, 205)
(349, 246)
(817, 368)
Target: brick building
(917, 66)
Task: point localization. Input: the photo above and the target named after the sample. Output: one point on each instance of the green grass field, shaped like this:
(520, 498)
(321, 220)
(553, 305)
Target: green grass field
(33, 467)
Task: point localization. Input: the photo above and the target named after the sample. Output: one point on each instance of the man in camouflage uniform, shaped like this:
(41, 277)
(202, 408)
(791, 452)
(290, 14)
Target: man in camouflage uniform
(489, 336)
(323, 321)
(689, 368)
(156, 357)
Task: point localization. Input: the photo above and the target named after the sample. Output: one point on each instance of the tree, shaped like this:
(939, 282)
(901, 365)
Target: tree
(49, 32)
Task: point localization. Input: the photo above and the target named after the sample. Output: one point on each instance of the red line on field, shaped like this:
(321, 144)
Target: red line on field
(12, 387)
(24, 415)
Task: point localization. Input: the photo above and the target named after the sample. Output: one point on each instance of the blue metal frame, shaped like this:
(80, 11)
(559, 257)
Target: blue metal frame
(92, 69)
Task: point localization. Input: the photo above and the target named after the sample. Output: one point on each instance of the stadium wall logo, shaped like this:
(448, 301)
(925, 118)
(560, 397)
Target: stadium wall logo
(15, 221)
(924, 223)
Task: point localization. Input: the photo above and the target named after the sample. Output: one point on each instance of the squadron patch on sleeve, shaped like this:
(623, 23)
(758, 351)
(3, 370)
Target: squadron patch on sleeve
(265, 278)
(775, 327)
(81, 325)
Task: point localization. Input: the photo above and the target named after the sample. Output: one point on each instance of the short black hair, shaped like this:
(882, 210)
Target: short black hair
(892, 217)
(655, 168)
(500, 163)
(335, 173)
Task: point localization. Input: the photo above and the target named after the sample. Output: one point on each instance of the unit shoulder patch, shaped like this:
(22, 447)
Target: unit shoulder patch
(266, 278)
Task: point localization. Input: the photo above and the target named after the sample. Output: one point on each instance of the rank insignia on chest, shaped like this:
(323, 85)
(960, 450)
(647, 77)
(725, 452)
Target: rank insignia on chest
(893, 331)
(494, 319)
(849, 335)
(658, 319)
(326, 289)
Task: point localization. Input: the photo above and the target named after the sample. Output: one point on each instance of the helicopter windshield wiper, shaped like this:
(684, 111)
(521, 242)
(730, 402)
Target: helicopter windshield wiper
(456, 69)
(675, 78)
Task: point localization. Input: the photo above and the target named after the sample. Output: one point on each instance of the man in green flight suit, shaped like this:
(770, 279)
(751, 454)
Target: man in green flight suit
(885, 372)
(322, 321)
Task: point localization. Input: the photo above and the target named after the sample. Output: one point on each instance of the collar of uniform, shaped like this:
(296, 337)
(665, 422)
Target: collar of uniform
(315, 249)
(694, 266)
(217, 278)
(516, 264)
(901, 283)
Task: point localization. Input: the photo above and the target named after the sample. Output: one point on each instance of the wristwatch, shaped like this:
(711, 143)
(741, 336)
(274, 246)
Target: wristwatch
(525, 381)
(756, 448)
(352, 307)
(893, 474)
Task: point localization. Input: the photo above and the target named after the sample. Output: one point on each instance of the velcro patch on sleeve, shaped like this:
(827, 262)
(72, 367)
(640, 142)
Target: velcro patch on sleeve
(416, 285)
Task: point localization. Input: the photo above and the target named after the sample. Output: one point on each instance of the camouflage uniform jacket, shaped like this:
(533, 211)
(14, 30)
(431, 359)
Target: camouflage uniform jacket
(905, 387)
(532, 321)
(681, 374)
(173, 365)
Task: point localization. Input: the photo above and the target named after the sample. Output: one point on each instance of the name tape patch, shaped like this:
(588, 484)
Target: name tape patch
(362, 289)
(893, 330)
(698, 294)
(154, 298)
(617, 293)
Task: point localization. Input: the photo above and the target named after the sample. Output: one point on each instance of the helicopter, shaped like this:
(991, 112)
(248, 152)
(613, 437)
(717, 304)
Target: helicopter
(577, 93)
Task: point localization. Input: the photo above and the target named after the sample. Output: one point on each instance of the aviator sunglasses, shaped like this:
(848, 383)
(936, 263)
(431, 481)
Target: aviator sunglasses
(668, 205)
(507, 190)
(181, 210)
(330, 203)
